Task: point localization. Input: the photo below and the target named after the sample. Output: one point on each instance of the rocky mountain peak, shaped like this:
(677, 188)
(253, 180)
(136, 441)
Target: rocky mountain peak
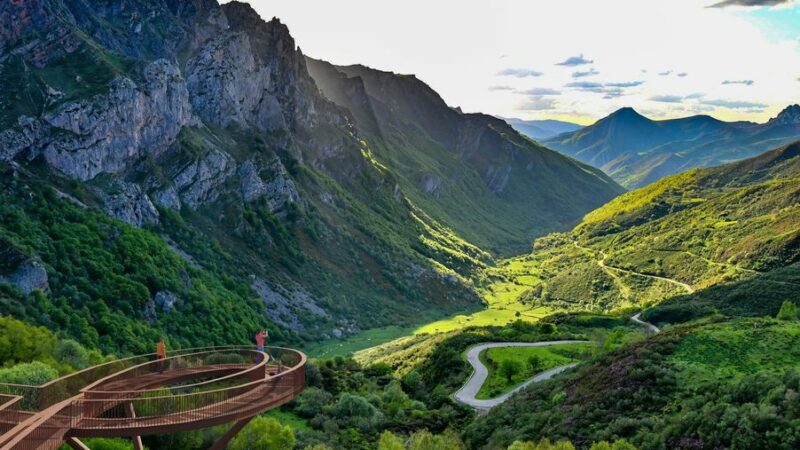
(626, 113)
(790, 115)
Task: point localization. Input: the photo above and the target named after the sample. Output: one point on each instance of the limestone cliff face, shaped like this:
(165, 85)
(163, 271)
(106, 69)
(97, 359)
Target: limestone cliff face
(222, 67)
(110, 133)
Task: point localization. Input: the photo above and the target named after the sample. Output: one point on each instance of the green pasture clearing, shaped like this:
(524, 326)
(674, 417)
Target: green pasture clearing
(546, 359)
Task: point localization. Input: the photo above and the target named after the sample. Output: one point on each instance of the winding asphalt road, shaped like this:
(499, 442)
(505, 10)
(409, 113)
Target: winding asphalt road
(649, 326)
(467, 393)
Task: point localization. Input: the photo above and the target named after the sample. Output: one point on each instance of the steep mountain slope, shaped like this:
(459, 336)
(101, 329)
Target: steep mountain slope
(689, 232)
(637, 151)
(200, 124)
(472, 172)
(542, 129)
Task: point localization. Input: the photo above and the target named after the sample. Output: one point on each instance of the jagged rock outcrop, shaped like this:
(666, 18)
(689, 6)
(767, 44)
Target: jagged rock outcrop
(240, 70)
(284, 67)
(228, 86)
(279, 188)
(165, 300)
(149, 312)
(430, 183)
(19, 269)
(788, 116)
(199, 182)
(15, 141)
(284, 307)
(168, 197)
(19, 19)
(251, 184)
(110, 133)
(30, 276)
(127, 202)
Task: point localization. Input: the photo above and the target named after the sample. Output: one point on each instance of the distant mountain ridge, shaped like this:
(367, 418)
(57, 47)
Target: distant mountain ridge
(542, 129)
(636, 151)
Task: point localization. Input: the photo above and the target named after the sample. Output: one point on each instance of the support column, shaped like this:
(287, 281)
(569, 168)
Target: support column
(226, 438)
(76, 444)
(137, 440)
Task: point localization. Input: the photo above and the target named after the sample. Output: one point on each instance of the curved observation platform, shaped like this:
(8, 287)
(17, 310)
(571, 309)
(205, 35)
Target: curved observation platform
(142, 395)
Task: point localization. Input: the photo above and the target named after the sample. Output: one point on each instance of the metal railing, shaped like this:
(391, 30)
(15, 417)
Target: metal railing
(38, 398)
(161, 396)
(7, 414)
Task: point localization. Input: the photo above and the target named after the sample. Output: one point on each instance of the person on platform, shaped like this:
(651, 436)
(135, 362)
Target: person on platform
(161, 354)
(261, 338)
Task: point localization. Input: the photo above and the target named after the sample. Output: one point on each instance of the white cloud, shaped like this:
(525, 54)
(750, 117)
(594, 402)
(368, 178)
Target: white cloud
(537, 103)
(519, 73)
(750, 3)
(588, 73)
(735, 104)
(540, 91)
(744, 82)
(575, 61)
(667, 98)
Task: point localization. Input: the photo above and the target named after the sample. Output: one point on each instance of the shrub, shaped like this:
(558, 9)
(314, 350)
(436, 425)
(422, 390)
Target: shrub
(20, 342)
(788, 311)
(34, 373)
(264, 433)
(72, 353)
(544, 444)
(109, 444)
(389, 441)
(424, 440)
(509, 368)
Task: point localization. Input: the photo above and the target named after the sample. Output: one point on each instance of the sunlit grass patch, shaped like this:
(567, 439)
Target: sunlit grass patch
(528, 362)
(360, 341)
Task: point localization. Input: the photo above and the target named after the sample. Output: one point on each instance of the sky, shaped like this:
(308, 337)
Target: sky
(575, 60)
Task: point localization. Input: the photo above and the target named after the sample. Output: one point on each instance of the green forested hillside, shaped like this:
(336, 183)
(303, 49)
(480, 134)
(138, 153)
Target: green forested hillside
(737, 224)
(723, 385)
(105, 278)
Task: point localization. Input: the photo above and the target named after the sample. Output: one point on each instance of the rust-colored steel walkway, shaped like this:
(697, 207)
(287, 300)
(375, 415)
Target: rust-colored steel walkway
(142, 395)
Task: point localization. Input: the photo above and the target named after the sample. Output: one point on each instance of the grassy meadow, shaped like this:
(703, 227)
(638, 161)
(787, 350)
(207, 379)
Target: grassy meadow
(529, 360)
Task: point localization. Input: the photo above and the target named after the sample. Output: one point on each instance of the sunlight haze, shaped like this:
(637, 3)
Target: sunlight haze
(666, 59)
